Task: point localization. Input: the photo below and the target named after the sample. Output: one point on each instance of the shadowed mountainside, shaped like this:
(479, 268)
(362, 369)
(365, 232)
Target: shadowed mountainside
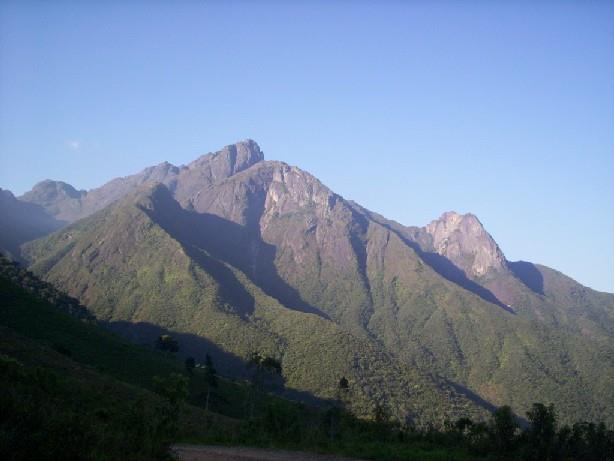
(139, 273)
(22, 222)
(249, 253)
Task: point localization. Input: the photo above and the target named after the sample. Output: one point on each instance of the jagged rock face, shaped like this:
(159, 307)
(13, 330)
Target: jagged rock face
(227, 162)
(298, 235)
(271, 190)
(314, 232)
(303, 216)
(464, 241)
(197, 176)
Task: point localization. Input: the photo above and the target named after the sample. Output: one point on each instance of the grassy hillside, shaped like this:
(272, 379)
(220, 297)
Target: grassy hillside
(71, 390)
(137, 272)
(56, 403)
(83, 341)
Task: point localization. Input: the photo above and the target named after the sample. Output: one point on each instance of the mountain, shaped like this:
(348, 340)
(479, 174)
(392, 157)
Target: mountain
(63, 202)
(22, 222)
(145, 278)
(82, 393)
(234, 253)
(64, 393)
(463, 241)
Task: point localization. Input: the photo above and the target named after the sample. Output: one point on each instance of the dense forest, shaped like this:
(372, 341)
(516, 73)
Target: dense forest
(72, 390)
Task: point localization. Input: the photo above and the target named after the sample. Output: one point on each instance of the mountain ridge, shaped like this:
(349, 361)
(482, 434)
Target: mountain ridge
(63, 201)
(270, 325)
(440, 300)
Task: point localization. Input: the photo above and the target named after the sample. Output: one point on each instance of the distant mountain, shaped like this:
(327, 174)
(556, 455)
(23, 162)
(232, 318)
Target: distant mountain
(246, 254)
(22, 222)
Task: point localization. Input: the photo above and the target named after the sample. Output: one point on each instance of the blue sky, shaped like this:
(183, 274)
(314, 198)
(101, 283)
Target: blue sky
(503, 109)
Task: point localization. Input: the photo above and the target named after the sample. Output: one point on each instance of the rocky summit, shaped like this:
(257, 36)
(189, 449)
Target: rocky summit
(233, 253)
(463, 240)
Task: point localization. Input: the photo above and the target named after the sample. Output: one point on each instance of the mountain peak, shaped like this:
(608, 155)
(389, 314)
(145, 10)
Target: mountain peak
(50, 190)
(231, 159)
(453, 218)
(6, 193)
(462, 239)
(250, 144)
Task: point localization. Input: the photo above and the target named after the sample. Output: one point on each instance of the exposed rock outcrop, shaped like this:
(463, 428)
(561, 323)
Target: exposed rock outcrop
(464, 241)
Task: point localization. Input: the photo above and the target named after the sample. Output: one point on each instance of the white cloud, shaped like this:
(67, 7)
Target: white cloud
(74, 144)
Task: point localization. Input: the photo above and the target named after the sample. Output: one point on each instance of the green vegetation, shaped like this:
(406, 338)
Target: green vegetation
(11, 270)
(404, 336)
(82, 341)
(49, 413)
(168, 344)
(189, 293)
(71, 390)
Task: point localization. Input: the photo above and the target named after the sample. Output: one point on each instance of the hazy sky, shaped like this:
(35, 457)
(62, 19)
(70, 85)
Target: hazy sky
(503, 109)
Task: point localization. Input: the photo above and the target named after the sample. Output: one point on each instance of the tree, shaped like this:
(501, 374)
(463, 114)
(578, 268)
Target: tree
(343, 389)
(174, 389)
(504, 428)
(333, 415)
(210, 377)
(190, 364)
(542, 431)
(166, 343)
(262, 367)
(380, 413)
(463, 426)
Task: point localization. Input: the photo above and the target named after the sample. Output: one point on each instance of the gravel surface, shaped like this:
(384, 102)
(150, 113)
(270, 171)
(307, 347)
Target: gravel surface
(216, 453)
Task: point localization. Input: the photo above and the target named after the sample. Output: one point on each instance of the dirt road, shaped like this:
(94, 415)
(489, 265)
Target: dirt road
(215, 453)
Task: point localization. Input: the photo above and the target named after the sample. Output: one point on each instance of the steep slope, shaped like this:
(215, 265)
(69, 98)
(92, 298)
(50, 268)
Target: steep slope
(21, 222)
(259, 254)
(463, 241)
(375, 281)
(460, 249)
(29, 313)
(557, 334)
(71, 390)
(134, 266)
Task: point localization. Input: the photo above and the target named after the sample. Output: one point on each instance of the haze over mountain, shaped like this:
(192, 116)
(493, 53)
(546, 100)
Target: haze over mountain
(22, 221)
(234, 253)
